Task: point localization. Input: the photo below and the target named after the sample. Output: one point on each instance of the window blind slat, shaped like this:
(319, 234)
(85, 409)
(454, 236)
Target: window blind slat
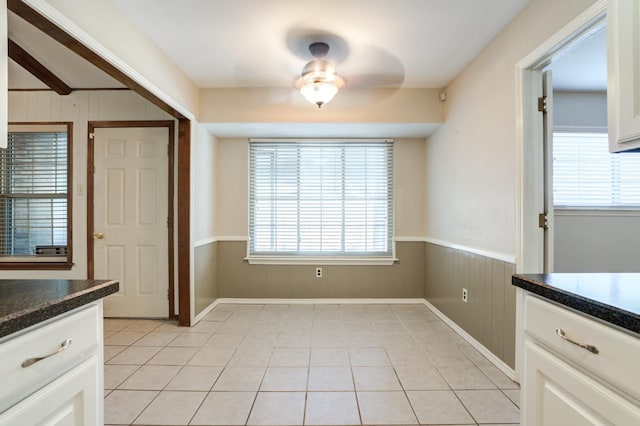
(321, 198)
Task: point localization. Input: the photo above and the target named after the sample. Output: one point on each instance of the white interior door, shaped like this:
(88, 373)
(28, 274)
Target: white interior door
(547, 120)
(130, 219)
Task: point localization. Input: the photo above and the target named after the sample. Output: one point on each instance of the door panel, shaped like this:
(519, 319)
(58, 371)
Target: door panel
(131, 211)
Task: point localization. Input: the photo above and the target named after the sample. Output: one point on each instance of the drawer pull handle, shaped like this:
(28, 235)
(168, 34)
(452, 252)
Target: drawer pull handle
(64, 345)
(590, 348)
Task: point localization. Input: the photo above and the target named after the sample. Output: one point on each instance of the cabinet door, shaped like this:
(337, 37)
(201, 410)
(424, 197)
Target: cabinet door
(623, 85)
(557, 394)
(72, 400)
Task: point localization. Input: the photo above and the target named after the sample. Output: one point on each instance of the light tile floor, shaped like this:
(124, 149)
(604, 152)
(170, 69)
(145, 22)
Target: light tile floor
(301, 365)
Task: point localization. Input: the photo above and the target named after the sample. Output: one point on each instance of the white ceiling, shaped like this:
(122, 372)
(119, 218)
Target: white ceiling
(263, 43)
(584, 67)
(65, 64)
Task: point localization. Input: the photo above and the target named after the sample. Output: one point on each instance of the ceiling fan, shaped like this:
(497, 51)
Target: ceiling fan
(319, 81)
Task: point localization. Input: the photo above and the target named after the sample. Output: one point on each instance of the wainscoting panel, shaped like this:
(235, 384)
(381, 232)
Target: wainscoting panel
(205, 276)
(489, 314)
(238, 279)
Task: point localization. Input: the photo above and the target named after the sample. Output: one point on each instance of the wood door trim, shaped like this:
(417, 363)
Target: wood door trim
(170, 125)
(184, 226)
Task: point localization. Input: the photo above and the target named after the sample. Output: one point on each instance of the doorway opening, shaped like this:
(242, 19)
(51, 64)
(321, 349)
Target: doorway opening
(532, 192)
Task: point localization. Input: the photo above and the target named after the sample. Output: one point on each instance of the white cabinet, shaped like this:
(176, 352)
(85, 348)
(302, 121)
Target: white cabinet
(52, 373)
(567, 384)
(70, 400)
(623, 85)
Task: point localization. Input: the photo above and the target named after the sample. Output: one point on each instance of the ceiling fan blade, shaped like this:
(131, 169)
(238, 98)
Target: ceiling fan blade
(381, 80)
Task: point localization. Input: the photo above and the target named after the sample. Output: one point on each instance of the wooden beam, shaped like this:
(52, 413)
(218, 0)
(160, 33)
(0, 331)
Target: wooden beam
(184, 215)
(30, 15)
(37, 69)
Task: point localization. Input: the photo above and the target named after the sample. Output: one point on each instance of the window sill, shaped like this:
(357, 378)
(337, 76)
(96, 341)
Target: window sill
(597, 211)
(53, 263)
(325, 260)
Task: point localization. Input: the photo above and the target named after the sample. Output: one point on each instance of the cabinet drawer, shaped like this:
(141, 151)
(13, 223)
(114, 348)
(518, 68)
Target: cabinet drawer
(81, 326)
(616, 360)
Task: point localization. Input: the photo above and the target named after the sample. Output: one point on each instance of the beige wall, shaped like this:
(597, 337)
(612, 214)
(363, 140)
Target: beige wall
(79, 107)
(489, 315)
(232, 188)
(471, 160)
(236, 278)
(205, 276)
(263, 105)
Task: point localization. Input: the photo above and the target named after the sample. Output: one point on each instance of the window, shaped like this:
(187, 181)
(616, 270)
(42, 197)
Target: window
(586, 174)
(321, 198)
(35, 196)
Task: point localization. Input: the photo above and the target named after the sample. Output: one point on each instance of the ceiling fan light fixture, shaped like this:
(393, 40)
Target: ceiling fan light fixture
(319, 92)
(319, 81)
(318, 70)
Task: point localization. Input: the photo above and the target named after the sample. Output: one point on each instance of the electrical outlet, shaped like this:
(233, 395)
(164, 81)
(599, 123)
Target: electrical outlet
(465, 295)
(318, 272)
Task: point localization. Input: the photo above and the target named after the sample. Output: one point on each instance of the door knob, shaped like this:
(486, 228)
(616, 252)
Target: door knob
(98, 235)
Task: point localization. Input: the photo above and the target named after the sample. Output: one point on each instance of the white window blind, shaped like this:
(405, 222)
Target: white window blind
(321, 198)
(586, 174)
(33, 193)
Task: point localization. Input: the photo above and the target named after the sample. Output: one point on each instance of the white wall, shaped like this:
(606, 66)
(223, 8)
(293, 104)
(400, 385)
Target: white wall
(204, 184)
(471, 160)
(79, 107)
(232, 188)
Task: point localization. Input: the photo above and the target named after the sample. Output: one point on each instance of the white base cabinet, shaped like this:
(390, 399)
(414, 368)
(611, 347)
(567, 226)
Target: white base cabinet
(52, 373)
(69, 401)
(567, 384)
(558, 394)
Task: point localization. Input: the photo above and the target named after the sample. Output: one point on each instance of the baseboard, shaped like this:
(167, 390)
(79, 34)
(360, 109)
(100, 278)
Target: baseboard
(205, 311)
(353, 301)
(501, 365)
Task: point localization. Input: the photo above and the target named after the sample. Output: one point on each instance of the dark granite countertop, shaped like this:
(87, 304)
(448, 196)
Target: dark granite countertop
(27, 302)
(614, 298)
